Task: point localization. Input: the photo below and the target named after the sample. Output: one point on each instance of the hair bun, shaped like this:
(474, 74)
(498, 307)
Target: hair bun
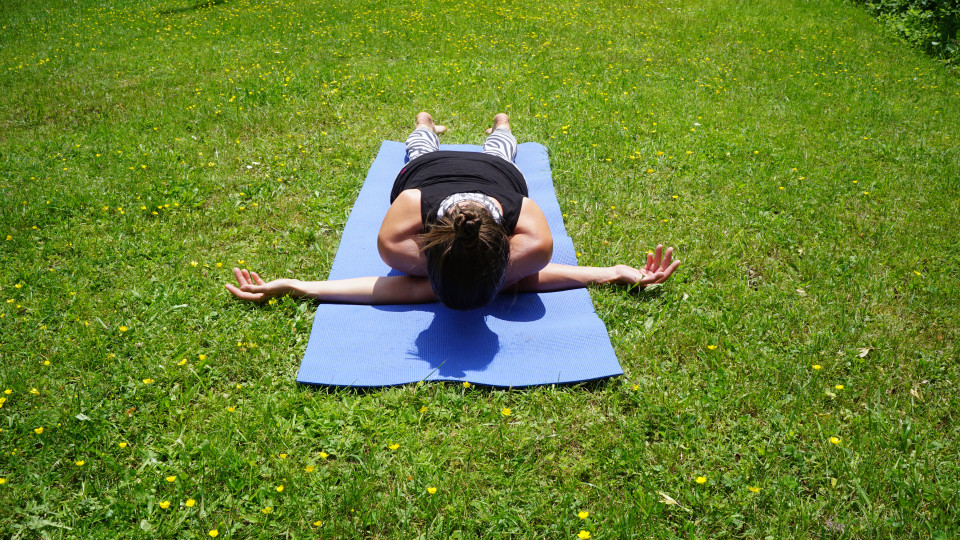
(467, 225)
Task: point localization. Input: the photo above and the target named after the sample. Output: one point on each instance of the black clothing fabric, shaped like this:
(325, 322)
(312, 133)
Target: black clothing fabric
(443, 173)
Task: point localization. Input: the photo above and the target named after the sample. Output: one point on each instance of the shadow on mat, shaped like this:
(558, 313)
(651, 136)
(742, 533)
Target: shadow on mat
(460, 341)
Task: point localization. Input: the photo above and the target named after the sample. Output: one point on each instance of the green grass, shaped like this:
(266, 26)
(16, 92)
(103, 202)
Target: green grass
(804, 164)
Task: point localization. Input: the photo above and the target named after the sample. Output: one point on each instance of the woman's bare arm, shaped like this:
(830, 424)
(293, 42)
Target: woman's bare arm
(363, 290)
(558, 277)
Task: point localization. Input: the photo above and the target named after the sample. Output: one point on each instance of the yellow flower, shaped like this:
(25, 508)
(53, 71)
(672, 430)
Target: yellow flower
(171, 479)
(839, 387)
(636, 387)
(701, 479)
(283, 456)
(190, 503)
(39, 430)
(317, 523)
(79, 463)
(755, 489)
(192, 263)
(147, 381)
(324, 455)
(123, 328)
(394, 446)
(583, 535)
(817, 367)
(835, 440)
(164, 504)
(280, 488)
(466, 384)
(583, 514)
(3, 481)
(423, 409)
(711, 347)
(231, 409)
(267, 510)
(506, 411)
(9, 237)
(431, 490)
(214, 533)
(202, 357)
(310, 468)
(182, 362)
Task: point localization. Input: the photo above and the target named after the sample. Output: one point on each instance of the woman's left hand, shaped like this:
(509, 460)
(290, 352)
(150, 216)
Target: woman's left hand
(658, 269)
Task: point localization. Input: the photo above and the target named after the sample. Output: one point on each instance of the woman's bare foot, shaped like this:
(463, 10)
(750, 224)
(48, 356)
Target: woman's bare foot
(499, 121)
(424, 120)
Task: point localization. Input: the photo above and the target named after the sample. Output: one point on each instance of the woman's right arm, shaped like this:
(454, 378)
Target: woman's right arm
(362, 290)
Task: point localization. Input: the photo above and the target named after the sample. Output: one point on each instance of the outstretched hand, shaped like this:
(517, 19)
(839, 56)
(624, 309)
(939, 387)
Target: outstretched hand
(658, 269)
(253, 288)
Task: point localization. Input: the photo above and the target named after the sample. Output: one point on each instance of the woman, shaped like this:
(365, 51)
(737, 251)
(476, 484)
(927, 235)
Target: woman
(462, 229)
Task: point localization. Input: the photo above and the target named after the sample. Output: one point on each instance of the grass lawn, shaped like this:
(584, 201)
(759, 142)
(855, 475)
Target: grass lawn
(797, 377)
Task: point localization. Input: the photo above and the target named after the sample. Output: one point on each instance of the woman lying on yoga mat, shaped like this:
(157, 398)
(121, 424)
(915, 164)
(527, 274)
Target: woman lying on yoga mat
(462, 228)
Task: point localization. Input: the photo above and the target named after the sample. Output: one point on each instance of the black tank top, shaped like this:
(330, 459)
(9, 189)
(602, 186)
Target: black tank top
(443, 173)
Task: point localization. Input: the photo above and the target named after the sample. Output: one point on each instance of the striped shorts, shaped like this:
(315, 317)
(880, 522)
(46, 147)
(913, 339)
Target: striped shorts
(500, 143)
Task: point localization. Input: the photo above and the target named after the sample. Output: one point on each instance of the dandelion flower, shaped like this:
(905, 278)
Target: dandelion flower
(431, 490)
(317, 523)
(122, 444)
(583, 514)
(123, 328)
(3, 481)
(324, 455)
(755, 489)
(231, 409)
(839, 387)
(267, 510)
(817, 367)
(190, 503)
(164, 504)
(79, 463)
(214, 533)
(394, 446)
(148, 381)
(280, 488)
(466, 384)
(423, 409)
(506, 411)
(701, 479)
(583, 535)
(39, 430)
(309, 468)
(711, 347)
(202, 357)
(835, 440)
(171, 478)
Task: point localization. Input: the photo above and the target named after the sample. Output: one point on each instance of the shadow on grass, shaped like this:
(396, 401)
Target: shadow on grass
(198, 5)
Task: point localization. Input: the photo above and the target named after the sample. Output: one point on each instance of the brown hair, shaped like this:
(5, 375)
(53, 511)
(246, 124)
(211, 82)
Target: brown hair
(467, 253)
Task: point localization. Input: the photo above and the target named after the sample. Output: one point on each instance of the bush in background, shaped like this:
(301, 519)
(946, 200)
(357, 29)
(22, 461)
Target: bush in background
(933, 25)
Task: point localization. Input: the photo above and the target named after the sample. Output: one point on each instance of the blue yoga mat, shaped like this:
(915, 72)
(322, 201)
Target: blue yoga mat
(518, 340)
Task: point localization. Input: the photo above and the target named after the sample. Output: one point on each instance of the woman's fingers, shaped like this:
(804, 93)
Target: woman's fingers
(665, 274)
(665, 263)
(257, 278)
(239, 275)
(243, 295)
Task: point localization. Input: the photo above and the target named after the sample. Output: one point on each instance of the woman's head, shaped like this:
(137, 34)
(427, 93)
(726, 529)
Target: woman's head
(467, 253)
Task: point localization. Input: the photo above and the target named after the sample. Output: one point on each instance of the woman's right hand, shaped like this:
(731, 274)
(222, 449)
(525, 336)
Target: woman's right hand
(253, 288)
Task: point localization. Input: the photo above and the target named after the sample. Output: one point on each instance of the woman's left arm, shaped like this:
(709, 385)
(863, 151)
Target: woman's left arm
(531, 244)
